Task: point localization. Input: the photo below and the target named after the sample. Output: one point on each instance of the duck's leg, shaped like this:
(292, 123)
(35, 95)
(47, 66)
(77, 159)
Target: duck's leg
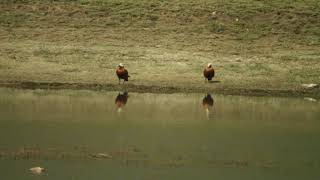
(119, 81)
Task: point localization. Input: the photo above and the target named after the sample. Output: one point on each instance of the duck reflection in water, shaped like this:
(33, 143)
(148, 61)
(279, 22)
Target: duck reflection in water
(121, 101)
(207, 104)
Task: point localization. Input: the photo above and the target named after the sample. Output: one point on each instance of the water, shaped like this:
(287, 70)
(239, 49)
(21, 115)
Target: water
(157, 136)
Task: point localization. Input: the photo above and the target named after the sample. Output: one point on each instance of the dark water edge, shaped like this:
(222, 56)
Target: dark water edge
(297, 92)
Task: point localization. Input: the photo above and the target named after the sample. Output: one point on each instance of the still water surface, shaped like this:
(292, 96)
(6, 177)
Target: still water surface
(104, 135)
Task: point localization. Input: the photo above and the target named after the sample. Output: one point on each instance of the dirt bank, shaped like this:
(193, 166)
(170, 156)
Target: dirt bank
(315, 93)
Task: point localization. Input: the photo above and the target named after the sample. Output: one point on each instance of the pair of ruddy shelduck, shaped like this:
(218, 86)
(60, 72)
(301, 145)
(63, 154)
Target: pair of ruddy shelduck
(122, 73)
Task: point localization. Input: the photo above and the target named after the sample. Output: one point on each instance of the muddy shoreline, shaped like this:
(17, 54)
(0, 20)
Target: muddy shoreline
(314, 93)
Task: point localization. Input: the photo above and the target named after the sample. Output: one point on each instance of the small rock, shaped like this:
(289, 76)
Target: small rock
(238, 59)
(310, 86)
(37, 170)
(310, 99)
(101, 156)
(237, 19)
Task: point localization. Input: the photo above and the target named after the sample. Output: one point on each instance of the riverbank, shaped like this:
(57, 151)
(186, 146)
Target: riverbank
(301, 92)
(256, 47)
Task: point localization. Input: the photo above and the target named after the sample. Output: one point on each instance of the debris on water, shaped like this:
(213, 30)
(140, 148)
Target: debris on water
(310, 86)
(267, 164)
(81, 148)
(37, 170)
(27, 153)
(310, 99)
(135, 149)
(101, 156)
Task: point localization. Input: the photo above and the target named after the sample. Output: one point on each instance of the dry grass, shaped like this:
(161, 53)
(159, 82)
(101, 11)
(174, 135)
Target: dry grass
(273, 45)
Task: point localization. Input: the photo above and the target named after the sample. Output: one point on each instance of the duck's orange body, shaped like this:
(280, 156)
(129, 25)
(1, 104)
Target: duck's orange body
(122, 73)
(208, 73)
